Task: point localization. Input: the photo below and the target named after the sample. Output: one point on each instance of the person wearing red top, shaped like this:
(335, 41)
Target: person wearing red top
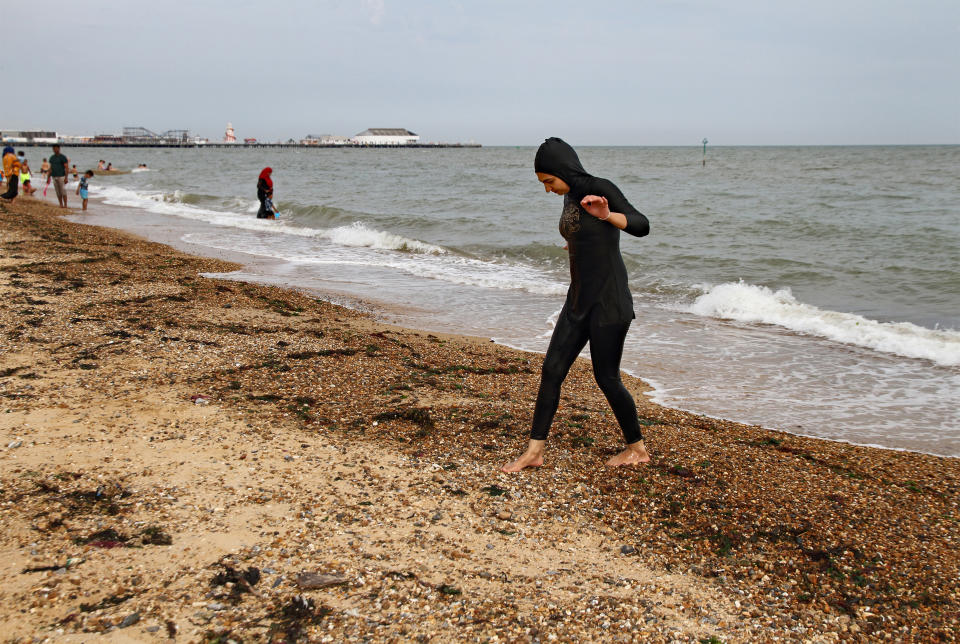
(264, 193)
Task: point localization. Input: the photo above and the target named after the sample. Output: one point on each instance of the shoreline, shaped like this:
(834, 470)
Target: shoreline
(511, 292)
(381, 310)
(392, 314)
(734, 532)
(655, 387)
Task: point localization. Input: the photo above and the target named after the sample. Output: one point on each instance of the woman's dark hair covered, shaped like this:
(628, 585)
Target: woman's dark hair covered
(556, 157)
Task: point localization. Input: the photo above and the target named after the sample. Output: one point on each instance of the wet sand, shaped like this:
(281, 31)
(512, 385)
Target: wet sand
(205, 458)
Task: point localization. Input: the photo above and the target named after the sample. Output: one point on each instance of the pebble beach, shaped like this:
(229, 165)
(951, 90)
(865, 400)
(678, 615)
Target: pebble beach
(203, 460)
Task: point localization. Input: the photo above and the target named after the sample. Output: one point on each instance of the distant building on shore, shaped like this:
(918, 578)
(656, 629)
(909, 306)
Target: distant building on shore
(28, 136)
(325, 139)
(386, 136)
(138, 136)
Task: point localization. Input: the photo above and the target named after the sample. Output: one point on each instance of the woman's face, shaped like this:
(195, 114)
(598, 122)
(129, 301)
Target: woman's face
(553, 184)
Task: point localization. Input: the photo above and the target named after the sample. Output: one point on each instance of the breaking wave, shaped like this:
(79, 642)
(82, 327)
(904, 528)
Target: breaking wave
(749, 303)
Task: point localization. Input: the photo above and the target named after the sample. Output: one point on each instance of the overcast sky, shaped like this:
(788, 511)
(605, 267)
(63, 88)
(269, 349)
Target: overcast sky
(510, 72)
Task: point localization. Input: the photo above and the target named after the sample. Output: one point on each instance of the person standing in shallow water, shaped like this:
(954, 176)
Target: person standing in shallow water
(265, 192)
(599, 306)
(58, 174)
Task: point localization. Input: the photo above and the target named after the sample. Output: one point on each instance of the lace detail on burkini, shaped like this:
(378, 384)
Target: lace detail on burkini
(569, 218)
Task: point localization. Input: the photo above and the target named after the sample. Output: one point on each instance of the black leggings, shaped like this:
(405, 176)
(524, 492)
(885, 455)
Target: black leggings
(13, 187)
(606, 349)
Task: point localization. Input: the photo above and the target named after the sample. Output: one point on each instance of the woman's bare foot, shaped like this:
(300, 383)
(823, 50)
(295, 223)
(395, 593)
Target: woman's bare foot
(533, 457)
(634, 454)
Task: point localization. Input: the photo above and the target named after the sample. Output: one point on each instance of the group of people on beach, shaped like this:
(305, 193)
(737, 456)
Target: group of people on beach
(55, 170)
(16, 172)
(599, 307)
(105, 166)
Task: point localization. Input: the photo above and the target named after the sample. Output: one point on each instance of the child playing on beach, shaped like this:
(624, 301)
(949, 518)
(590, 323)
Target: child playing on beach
(268, 204)
(84, 186)
(44, 169)
(25, 184)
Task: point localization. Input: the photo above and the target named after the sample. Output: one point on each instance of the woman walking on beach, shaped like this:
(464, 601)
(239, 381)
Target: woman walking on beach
(599, 306)
(264, 193)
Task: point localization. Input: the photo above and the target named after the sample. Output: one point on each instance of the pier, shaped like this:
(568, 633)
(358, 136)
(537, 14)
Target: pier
(141, 137)
(238, 146)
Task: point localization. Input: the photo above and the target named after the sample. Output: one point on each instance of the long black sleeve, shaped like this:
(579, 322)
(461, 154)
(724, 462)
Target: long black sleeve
(637, 223)
(263, 190)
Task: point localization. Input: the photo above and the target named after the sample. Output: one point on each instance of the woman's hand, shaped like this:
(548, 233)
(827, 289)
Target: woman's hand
(600, 208)
(596, 206)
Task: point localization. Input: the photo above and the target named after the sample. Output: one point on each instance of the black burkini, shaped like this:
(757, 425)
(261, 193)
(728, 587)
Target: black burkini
(599, 306)
(264, 192)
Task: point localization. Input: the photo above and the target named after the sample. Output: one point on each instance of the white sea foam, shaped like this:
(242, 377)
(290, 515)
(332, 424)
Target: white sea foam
(758, 304)
(354, 235)
(358, 234)
(358, 244)
(469, 272)
(447, 267)
(241, 204)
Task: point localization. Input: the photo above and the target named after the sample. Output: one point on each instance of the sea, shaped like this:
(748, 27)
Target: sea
(813, 290)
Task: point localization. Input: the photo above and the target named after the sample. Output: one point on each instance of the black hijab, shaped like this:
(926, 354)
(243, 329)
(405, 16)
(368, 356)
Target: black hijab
(556, 157)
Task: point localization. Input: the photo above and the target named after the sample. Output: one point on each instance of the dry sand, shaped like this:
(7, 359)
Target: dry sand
(208, 460)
